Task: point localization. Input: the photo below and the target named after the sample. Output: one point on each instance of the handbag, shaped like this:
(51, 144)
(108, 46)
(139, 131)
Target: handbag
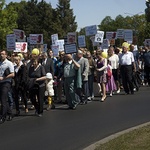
(109, 74)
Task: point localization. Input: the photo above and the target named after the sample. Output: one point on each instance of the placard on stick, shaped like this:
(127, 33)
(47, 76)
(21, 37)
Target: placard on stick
(70, 48)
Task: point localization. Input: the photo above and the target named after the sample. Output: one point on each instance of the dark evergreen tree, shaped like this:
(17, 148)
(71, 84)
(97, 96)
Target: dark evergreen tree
(66, 18)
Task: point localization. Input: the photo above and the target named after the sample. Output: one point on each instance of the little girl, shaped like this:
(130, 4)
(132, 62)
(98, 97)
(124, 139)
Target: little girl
(49, 91)
(110, 85)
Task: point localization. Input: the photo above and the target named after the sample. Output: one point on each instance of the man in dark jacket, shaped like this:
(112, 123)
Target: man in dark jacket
(47, 63)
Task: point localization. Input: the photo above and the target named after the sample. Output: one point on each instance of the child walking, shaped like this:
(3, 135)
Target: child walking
(49, 91)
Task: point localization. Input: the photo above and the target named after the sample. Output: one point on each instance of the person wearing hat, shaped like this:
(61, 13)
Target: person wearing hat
(49, 90)
(127, 66)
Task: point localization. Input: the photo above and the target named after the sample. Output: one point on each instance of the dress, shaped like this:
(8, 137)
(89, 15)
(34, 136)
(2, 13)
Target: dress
(110, 85)
(101, 75)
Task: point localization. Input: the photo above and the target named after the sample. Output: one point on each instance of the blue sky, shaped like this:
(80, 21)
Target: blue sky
(92, 12)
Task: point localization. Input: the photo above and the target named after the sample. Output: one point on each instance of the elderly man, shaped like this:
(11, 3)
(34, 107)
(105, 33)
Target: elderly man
(84, 64)
(70, 68)
(127, 66)
(6, 73)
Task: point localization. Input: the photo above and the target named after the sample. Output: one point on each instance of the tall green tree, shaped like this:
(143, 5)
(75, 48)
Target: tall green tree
(136, 22)
(8, 17)
(66, 17)
(107, 24)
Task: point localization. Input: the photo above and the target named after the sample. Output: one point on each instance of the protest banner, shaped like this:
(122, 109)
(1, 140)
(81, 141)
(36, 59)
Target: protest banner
(147, 42)
(21, 47)
(20, 35)
(90, 30)
(70, 48)
(128, 36)
(120, 34)
(92, 38)
(11, 42)
(99, 36)
(54, 38)
(81, 41)
(71, 37)
(105, 44)
(60, 43)
(55, 49)
(110, 35)
(36, 39)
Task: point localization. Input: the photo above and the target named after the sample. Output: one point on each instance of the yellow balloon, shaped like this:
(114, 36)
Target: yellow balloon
(35, 51)
(104, 54)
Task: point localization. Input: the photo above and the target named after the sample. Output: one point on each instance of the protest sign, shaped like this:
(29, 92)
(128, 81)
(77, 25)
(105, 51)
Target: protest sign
(36, 38)
(99, 36)
(120, 34)
(128, 36)
(71, 37)
(70, 48)
(81, 41)
(147, 42)
(11, 39)
(105, 44)
(110, 35)
(91, 30)
(20, 35)
(21, 47)
(60, 43)
(55, 49)
(54, 38)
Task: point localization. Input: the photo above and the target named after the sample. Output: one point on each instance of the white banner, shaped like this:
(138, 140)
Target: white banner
(11, 42)
(99, 36)
(54, 38)
(60, 43)
(21, 47)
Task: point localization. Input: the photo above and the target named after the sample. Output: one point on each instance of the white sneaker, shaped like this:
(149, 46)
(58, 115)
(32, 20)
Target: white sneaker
(110, 94)
(118, 91)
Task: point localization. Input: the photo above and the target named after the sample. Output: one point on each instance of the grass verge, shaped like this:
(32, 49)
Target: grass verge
(138, 139)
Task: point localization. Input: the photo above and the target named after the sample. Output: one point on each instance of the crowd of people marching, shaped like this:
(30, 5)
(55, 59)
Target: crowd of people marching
(42, 78)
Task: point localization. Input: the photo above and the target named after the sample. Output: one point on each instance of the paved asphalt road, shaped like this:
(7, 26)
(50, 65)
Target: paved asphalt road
(63, 129)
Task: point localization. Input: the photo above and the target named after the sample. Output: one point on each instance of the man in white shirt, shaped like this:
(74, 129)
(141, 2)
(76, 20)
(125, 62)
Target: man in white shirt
(127, 66)
(6, 73)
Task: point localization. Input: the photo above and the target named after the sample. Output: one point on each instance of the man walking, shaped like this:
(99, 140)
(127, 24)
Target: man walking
(6, 73)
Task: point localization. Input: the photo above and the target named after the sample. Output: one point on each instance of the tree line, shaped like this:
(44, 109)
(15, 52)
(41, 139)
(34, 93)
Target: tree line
(40, 18)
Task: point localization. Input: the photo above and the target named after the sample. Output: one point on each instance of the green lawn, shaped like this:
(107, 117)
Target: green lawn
(138, 139)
